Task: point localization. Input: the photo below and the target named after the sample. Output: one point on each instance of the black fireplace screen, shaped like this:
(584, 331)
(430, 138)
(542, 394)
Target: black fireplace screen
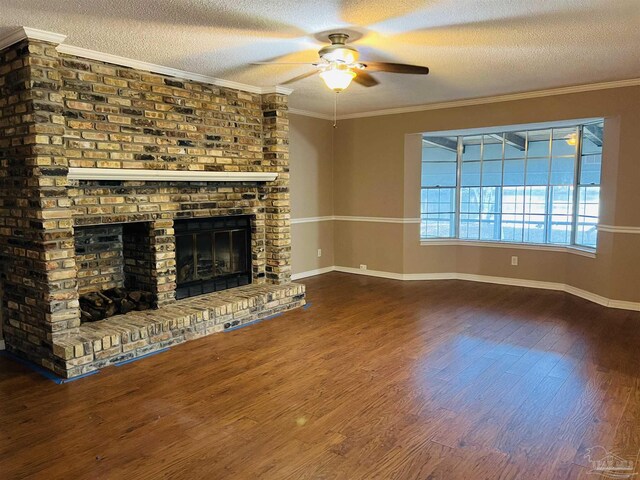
(212, 254)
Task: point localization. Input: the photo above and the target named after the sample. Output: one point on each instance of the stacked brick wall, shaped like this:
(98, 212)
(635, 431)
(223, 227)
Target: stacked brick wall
(57, 112)
(117, 117)
(36, 236)
(277, 208)
(99, 257)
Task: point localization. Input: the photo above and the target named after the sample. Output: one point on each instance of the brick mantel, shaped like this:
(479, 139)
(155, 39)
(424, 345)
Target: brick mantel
(168, 175)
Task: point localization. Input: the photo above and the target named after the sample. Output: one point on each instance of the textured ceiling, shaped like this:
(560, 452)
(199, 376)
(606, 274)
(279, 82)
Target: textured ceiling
(475, 48)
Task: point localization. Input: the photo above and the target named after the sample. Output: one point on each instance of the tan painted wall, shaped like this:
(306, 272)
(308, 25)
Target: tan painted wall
(377, 174)
(311, 163)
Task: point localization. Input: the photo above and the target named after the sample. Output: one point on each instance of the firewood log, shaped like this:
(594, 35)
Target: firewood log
(135, 296)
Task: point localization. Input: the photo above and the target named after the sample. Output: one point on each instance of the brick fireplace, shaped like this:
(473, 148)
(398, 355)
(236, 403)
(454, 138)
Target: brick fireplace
(81, 213)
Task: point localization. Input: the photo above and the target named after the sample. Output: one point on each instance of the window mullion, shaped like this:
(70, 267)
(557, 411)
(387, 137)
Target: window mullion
(549, 206)
(576, 184)
(498, 227)
(460, 147)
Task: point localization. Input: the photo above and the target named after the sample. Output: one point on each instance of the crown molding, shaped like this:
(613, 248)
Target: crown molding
(279, 89)
(24, 33)
(307, 113)
(631, 82)
(169, 71)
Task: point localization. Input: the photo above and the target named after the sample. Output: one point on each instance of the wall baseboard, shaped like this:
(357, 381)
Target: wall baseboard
(312, 273)
(514, 282)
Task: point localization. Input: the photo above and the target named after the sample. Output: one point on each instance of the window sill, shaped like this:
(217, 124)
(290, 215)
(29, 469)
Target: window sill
(585, 252)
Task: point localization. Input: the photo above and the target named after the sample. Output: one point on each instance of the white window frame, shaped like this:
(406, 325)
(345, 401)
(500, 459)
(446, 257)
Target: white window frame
(572, 247)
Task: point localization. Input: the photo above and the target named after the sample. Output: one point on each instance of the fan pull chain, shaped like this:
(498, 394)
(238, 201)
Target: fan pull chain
(335, 111)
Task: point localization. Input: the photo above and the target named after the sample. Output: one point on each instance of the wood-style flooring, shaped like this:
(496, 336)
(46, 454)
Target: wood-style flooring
(378, 379)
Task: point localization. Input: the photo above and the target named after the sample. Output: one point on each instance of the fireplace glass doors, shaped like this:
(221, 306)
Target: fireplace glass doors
(212, 254)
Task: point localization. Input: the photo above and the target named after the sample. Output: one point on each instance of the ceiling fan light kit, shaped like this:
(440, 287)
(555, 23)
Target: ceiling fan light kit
(337, 77)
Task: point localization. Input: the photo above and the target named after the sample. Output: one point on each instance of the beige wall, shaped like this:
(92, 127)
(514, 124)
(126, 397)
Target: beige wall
(377, 174)
(311, 163)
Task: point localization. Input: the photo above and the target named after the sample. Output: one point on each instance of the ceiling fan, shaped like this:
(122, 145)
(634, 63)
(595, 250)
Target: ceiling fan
(339, 65)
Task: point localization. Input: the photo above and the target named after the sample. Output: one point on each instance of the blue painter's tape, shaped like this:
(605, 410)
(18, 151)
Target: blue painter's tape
(307, 306)
(231, 329)
(124, 362)
(43, 371)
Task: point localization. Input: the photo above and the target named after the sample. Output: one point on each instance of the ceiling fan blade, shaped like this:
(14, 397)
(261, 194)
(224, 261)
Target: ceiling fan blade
(395, 68)
(283, 63)
(300, 77)
(365, 79)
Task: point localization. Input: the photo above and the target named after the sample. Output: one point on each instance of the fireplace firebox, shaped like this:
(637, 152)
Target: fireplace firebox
(212, 254)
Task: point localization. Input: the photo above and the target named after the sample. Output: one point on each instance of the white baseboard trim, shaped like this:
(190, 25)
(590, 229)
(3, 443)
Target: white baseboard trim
(514, 282)
(312, 273)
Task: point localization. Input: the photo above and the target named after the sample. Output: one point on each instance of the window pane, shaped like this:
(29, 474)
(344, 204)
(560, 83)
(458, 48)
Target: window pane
(563, 171)
(438, 212)
(537, 171)
(470, 174)
(565, 142)
(438, 174)
(515, 145)
(512, 228)
(438, 200)
(438, 225)
(589, 201)
(492, 149)
(471, 148)
(435, 153)
(592, 139)
(439, 163)
(587, 231)
(514, 172)
(490, 218)
(561, 215)
(492, 173)
(561, 226)
(562, 200)
(587, 219)
(470, 200)
(534, 228)
(469, 226)
(590, 169)
(512, 214)
(539, 143)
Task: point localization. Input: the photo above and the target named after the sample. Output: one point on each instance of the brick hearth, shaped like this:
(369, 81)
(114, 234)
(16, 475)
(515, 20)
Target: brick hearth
(123, 337)
(59, 112)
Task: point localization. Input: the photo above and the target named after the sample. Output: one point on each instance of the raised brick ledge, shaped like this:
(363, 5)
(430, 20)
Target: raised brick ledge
(124, 337)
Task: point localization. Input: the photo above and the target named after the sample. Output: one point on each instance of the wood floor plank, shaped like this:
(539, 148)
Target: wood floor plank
(378, 379)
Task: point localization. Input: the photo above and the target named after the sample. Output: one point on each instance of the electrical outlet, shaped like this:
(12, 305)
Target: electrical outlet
(514, 261)
(319, 252)
(363, 267)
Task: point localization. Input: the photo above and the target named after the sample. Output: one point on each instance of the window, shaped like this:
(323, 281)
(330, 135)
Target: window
(539, 186)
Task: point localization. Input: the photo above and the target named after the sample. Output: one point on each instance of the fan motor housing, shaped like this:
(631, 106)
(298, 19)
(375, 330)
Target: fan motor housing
(339, 51)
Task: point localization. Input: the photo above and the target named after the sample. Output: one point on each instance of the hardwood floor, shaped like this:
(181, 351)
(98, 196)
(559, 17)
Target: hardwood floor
(378, 379)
